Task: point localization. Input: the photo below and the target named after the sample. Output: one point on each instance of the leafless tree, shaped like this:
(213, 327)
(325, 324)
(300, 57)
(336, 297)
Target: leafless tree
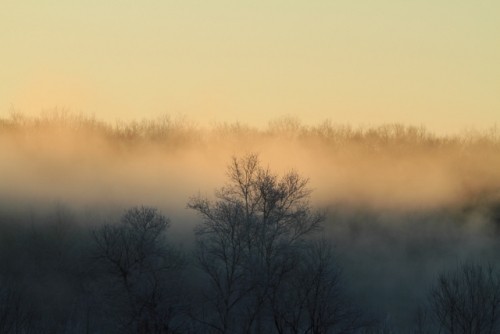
(248, 242)
(312, 299)
(141, 271)
(467, 300)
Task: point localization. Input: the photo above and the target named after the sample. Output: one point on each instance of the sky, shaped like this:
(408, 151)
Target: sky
(433, 63)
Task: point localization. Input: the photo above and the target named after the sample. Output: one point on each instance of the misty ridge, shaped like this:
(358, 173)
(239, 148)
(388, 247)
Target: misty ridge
(141, 227)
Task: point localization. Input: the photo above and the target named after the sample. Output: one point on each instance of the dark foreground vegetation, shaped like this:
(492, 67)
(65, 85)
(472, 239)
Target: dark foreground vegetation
(258, 266)
(260, 255)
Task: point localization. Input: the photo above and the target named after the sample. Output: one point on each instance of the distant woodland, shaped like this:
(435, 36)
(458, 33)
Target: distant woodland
(167, 226)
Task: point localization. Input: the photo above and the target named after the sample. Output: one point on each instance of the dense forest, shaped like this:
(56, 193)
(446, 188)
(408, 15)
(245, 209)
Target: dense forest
(167, 226)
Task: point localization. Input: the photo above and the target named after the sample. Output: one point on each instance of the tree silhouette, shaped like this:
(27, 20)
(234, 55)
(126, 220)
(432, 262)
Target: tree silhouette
(140, 271)
(250, 243)
(467, 300)
(312, 299)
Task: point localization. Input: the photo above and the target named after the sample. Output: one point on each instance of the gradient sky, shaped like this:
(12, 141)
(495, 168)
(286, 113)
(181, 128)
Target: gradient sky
(432, 62)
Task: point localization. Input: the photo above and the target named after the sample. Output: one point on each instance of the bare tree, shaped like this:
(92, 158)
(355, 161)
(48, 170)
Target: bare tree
(467, 300)
(312, 299)
(248, 242)
(140, 271)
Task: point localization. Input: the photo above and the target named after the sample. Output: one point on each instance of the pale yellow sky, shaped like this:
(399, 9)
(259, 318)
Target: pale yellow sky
(431, 62)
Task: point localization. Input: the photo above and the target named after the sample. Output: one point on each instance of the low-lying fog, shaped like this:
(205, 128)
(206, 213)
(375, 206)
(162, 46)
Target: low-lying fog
(402, 204)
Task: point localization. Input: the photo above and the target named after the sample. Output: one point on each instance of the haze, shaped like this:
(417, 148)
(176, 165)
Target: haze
(83, 160)
(359, 62)
(402, 204)
(121, 122)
